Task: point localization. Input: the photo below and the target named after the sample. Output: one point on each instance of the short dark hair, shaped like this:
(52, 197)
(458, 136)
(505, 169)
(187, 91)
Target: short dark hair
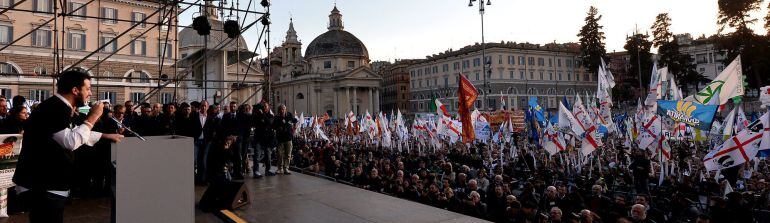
(71, 79)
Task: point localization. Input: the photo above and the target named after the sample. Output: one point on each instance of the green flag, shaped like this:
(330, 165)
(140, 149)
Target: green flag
(432, 105)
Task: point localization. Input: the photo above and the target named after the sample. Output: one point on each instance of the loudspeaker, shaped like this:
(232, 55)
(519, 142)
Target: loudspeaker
(225, 195)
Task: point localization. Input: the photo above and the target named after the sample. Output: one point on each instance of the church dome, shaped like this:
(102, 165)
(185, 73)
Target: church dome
(188, 37)
(336, 42)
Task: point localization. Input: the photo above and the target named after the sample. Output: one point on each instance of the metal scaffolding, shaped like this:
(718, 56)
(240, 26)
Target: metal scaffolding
(167, 13)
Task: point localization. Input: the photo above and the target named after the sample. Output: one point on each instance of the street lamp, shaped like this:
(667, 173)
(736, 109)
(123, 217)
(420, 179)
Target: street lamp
(484, 62)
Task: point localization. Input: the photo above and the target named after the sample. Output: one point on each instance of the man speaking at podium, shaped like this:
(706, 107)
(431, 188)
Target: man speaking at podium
(44, 171)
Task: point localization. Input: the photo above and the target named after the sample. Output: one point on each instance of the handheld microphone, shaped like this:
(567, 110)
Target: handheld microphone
(120, 125)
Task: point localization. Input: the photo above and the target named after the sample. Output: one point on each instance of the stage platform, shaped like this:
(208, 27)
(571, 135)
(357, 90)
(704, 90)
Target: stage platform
(303, 198)
(293, 198)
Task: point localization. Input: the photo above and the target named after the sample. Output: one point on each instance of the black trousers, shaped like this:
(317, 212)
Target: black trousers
(44, 206)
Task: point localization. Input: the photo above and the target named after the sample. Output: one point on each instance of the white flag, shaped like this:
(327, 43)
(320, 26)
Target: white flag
(735, 151)
(568, 121)
(728, 84)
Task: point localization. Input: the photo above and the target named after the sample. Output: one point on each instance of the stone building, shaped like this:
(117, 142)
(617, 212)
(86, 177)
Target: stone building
(222, 70)
(140, 58)
(395, 86)
(334, 76)
(518, 71)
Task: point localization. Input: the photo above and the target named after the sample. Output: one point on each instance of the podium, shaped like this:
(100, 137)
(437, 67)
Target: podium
(154, 179)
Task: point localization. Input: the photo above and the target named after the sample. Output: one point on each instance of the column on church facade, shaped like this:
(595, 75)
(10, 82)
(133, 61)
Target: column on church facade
(371, 101)
(355, 100)
(347, 100)
(336, 110)
(377, 99)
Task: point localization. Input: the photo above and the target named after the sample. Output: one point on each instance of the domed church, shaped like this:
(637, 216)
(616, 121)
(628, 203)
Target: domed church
(334, 76)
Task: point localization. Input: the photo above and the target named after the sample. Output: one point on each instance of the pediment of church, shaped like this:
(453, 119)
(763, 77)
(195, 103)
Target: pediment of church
(361, 73)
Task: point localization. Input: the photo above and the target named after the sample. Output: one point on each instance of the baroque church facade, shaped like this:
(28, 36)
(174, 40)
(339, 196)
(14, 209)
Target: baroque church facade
(334, 76)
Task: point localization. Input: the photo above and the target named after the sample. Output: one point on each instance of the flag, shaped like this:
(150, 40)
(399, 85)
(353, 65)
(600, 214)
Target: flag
(502, 101)
(690, 113)
(553, 142)
(741, 122)
(568, 121)
(728, 84)
(442, 111)
(581, 115)
(537, 111)
(729, 125)
(737, 150)
(466, 96)
(650, 133)
(432, 107)
(764, 147)
(590, 141)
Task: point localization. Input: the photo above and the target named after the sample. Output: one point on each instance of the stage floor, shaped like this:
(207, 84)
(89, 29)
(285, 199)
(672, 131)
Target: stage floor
(292, 198)
(304, 198)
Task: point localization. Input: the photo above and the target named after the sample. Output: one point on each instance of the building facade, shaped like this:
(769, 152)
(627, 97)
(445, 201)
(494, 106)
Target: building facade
(518, 71)
(142, 57)
(709, 61)
(333, 77)
(221, 69)
(395, 86)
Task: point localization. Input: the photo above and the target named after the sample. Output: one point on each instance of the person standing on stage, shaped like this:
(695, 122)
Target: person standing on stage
(284, 130)
(264, 138)
(45, 167)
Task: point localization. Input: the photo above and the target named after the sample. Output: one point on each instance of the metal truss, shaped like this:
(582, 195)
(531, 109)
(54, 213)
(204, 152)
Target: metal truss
(167, 12)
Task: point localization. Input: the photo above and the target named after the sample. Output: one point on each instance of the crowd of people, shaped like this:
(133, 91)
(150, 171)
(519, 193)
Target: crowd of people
(522, 183)
(510, 182)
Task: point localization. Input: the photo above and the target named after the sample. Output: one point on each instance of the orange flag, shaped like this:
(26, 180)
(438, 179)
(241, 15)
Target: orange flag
(466, 95)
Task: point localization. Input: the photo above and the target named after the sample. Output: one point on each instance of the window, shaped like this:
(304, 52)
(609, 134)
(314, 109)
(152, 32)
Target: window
(142, 77)
(531, 61)
(78, 10)
(511, 60)
(6, 68)
(587, 78)
(532, 75)
(40, 71)
(138, 17)
(6, 34)
(540, 62)
(109, 15)
(139, 47)
(39, 95)
(445, 68)
(577, 77)
(511, 75)
(166, 98)
(165, 50)
(541, 75)
(559, 75)
(41, 37)
(137, 97)
(6, 3)
(550, 62)
(112, 46)
(521, 60)
(558, 62)
(521, 75)
(76, 41)
(109, 95)
(569, 76)
(42, 6)
(456, 65)
(435, 70)
(477, 76)
(427, 70)
(476, 62)
(107, 74)
(6, 92)
(569, 63)
(550, 76)
(446, 81)
(499, 59)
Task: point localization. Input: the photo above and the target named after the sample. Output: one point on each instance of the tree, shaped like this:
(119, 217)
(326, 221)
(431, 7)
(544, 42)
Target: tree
(592, 41)
(661, 33)
(681, 66)
(638, 47)
(754, 49)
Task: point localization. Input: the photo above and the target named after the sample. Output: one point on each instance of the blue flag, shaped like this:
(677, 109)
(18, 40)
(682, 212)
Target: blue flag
(566, 103)
(537, 111)
(690, 113)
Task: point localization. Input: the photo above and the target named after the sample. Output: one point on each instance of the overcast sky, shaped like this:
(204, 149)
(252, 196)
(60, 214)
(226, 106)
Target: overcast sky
(401, 29)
